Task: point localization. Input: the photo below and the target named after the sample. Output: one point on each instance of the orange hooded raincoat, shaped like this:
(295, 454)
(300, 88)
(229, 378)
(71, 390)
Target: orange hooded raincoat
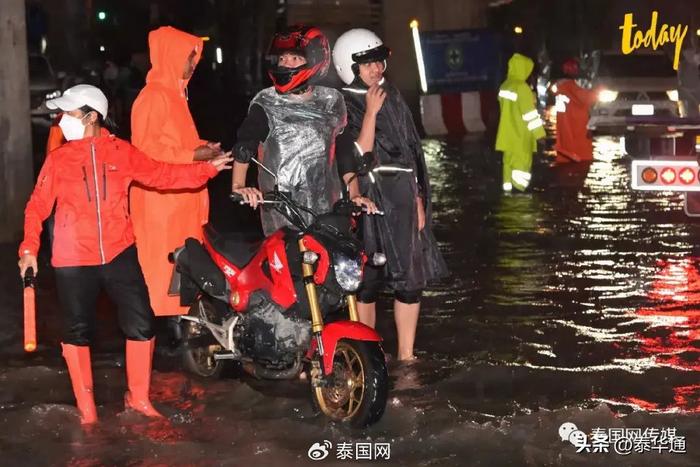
(573, 105)
(163, 128)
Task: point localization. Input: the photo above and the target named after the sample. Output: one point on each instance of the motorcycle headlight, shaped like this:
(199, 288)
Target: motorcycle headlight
(348, 272)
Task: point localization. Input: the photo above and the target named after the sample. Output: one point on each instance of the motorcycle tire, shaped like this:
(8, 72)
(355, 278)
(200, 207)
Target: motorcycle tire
(357, 392)
(199, 359)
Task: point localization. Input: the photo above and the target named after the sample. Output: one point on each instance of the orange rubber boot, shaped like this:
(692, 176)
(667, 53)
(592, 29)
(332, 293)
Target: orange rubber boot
(78, 361)
(139, 356)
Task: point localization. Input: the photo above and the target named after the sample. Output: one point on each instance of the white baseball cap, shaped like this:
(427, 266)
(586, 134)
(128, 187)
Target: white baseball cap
(78, 96)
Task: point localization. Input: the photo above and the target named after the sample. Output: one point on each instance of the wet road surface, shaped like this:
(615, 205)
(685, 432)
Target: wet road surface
(578, 302)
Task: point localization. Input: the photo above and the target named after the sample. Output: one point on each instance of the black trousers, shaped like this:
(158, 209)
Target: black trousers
(373, 282)
(122, 280)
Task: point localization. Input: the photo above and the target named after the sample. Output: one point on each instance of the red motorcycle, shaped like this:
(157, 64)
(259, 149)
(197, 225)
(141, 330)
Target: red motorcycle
(278, 307)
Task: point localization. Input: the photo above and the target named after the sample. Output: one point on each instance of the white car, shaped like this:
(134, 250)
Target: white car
(638, 85)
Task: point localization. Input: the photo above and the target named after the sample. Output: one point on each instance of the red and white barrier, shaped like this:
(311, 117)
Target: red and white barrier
(457, 113)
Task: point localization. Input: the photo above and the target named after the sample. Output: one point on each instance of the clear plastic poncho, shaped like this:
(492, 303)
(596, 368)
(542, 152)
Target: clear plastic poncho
(299, 149)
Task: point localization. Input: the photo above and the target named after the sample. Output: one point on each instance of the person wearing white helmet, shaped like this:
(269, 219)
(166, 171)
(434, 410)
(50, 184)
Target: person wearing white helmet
(87, 179)
(380, 121)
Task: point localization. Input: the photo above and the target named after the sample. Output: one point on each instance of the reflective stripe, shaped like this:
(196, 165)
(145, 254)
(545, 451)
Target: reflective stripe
(510, 95)
(359, 149)
(521, 178)
(535, 124)
(507, 186)
(363, 91)
(356, 91)
(530, 115)
(521, 173)
(390, 168)
(560, 103)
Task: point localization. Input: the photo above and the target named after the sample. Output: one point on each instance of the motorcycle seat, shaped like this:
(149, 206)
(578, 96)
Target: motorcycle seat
(237, 247)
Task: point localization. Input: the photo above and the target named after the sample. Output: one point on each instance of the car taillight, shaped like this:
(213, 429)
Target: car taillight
(686, 175)
(668, 175)
(649, 175)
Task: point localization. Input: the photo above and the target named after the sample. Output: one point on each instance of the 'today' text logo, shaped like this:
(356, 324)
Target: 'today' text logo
(652, 38)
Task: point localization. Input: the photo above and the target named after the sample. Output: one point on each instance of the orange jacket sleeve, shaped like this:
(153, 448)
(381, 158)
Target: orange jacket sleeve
(38, 207)
(147, 117)
(164, 176)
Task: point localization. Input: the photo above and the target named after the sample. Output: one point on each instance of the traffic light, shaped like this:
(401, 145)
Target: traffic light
(101, 15)
(666, 175)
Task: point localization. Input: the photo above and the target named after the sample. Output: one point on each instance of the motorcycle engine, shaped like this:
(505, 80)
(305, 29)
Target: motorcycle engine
(272, 337)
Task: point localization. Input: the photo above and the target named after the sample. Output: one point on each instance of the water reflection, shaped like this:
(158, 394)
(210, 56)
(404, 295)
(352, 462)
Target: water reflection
(550, 280)
(671, 332)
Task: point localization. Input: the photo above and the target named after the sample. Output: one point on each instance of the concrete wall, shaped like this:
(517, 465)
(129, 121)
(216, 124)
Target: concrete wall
(15, 138)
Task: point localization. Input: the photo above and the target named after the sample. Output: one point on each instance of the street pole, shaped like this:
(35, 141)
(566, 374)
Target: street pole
(16, 167)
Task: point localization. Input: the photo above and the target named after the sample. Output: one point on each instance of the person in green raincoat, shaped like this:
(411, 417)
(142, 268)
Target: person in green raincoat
(520, 125)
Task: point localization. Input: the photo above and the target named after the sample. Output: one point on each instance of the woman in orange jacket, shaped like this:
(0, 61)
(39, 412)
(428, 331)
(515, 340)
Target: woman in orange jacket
(163, 128)
(88, 179)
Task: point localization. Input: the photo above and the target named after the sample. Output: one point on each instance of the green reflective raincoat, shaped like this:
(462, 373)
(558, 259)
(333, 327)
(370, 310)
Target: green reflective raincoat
(520, 125)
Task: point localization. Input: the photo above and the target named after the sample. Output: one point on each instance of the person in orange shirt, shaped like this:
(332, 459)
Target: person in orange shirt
(163, 128)
(573, 104)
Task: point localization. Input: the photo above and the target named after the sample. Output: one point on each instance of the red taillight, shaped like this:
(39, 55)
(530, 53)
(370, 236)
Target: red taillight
(668, 175)
(649, 175)
(686, 175)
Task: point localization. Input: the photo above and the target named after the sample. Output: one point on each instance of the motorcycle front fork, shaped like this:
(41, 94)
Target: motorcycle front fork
(316, 314)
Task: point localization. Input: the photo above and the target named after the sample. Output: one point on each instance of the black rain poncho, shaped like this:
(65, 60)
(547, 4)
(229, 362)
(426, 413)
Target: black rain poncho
(413, 258)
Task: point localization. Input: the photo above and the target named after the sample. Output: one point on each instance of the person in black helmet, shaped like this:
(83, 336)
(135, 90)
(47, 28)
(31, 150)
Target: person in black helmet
(379, 121)
(297, 123)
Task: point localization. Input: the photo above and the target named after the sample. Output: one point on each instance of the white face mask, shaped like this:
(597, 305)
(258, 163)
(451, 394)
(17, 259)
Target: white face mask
(72, 127)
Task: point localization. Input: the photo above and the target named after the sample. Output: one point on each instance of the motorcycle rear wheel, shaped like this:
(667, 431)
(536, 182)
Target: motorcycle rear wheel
(357, 391)
(199, 359)
(201, 362)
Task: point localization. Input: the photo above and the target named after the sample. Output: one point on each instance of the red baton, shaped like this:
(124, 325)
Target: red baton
(29, 311)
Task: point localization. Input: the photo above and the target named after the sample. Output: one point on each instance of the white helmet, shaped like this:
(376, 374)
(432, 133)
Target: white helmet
(354, 47)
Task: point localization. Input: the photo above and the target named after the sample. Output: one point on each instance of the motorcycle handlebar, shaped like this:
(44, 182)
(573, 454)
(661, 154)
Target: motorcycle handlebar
(268, 199)
(237, 197)
(378, 213)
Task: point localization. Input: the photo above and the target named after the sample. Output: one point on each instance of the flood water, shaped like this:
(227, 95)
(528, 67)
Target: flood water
(578, 302)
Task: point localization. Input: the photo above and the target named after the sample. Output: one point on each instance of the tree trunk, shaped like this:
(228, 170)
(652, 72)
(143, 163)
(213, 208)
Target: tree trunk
(16, 168)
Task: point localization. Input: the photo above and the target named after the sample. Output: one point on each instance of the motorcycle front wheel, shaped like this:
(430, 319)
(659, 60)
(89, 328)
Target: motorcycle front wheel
(356, 391)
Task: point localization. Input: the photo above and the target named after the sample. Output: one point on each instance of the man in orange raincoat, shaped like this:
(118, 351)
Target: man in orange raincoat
(163, 128)
(55, 138)
(573, 104)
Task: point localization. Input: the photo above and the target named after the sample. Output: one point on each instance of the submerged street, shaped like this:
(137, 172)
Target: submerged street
(578, 302)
